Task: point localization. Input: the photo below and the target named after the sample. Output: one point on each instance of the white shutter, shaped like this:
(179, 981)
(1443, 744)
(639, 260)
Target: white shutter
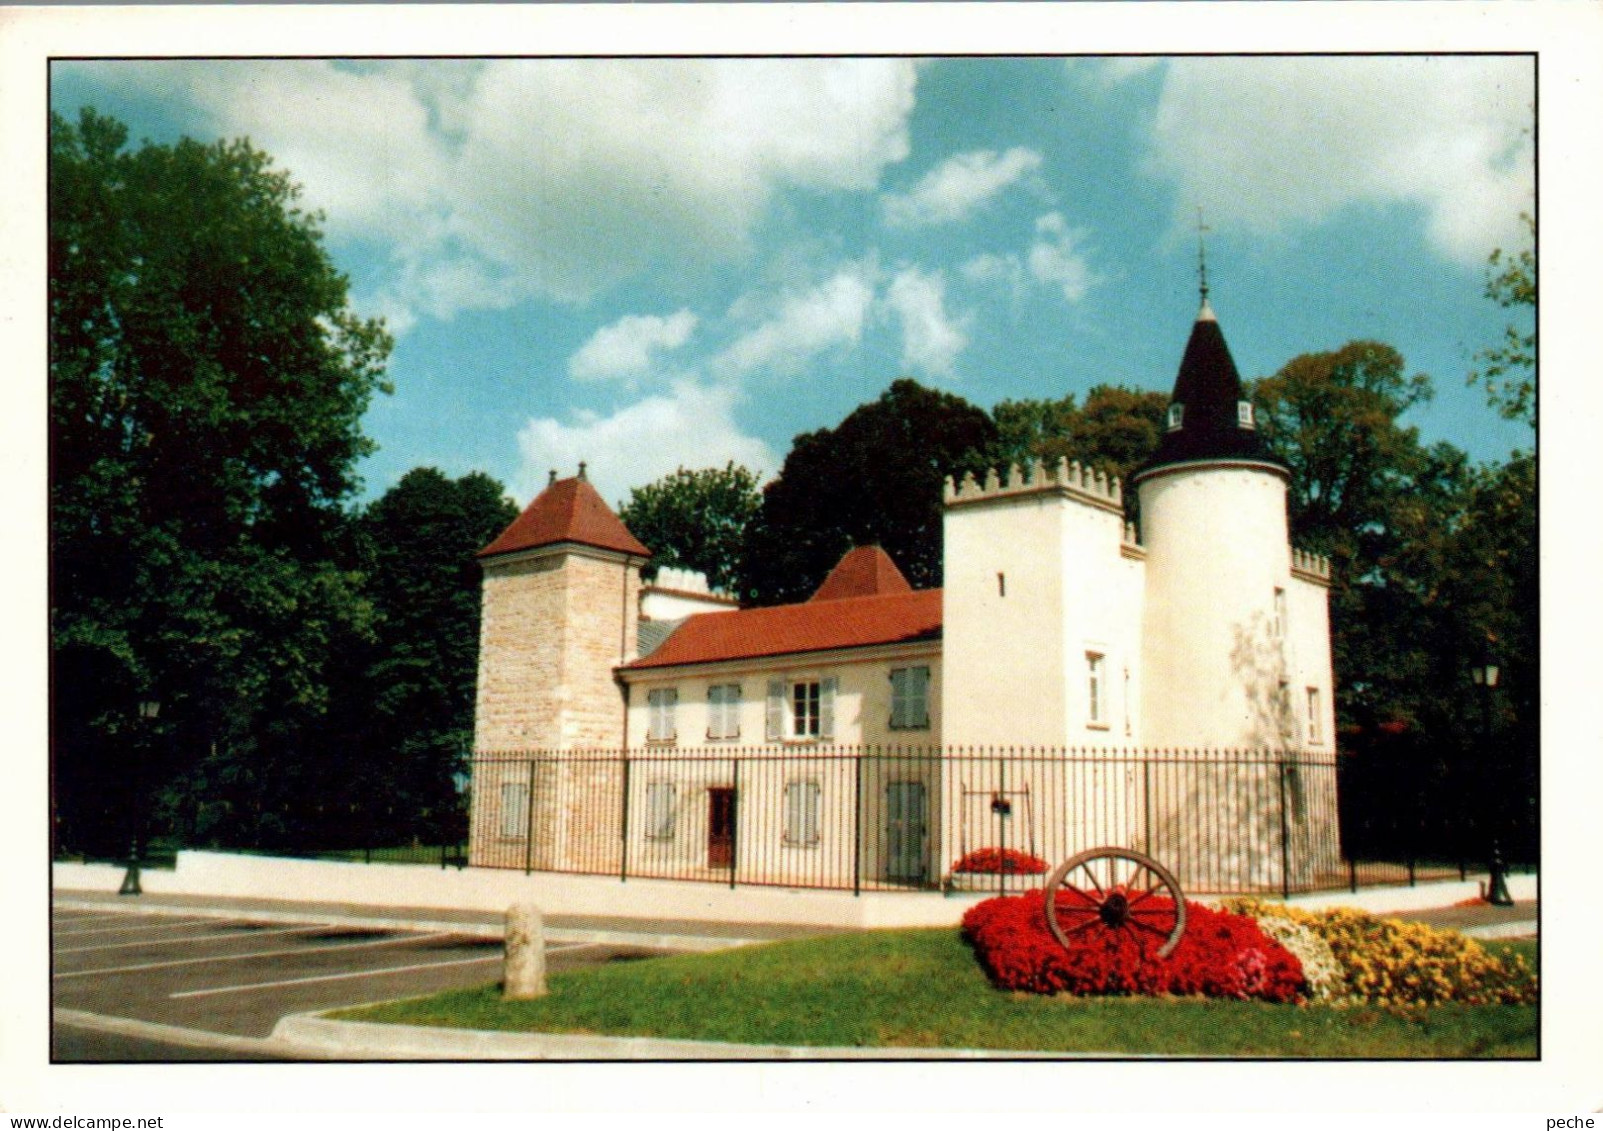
(826, 710)
(776, 710)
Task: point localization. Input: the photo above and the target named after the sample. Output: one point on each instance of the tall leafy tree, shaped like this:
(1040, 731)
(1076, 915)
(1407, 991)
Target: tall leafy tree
(875, 478)
(406, 710)
(1115, 431)
(207, 382)
(695, 520)
(1507, 371)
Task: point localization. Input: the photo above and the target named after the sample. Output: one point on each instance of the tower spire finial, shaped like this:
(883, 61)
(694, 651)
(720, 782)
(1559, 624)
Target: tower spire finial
(1202, 256)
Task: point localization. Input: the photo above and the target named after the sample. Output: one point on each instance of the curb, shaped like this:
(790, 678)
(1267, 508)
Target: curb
(486, 930)
(312, 1035)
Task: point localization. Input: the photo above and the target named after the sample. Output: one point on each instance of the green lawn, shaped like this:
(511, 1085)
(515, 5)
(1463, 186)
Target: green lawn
(923, 989)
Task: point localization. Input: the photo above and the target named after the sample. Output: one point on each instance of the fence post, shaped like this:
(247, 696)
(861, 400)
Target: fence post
(734, 820)
(1000, 807)
(528, 825)
(1146, 801)
(1285, 838)
(623, 825)
(857, 825)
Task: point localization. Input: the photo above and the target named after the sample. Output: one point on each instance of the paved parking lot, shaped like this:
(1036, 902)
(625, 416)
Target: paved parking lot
(237, 976)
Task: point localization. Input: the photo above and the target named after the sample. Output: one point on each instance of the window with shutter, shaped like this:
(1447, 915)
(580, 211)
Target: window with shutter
(723, 711)
(801, 813)
(660, 703)
(910, 698)
(660, 810)
(775, 729)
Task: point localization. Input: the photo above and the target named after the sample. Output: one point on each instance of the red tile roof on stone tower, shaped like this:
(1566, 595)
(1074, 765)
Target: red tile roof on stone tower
(866, 571)
(568, 510)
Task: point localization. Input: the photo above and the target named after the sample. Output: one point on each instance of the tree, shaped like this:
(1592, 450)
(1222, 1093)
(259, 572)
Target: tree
(408, 707)
(1115, 432)
(1508, 369)
(875, 478)
(695, 520)
(1365, 493)
(207, 383)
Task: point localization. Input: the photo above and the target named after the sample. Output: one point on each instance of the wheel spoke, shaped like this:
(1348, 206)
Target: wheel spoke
(1091, 873)
(1090, 902)
(1081, 927)
(1149, 893)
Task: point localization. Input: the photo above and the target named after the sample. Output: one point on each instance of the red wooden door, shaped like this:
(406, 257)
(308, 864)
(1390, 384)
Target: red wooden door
(720, 827)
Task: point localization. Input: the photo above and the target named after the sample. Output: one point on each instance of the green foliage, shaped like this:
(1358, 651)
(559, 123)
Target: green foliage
(207, 383)
(923, 989)
(1114, 432)
(875, 478)
(695, 520)
(1508, 370)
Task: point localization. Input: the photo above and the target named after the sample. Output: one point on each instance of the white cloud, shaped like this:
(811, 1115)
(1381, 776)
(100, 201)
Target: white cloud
(556, 178)
(931, 338)
(958, 186)
(693, 426)
(1266, 144)
(626, 348)
(1054, 259)
(803, 325)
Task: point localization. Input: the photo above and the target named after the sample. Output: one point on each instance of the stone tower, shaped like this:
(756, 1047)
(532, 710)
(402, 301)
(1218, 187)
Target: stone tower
(560, 610)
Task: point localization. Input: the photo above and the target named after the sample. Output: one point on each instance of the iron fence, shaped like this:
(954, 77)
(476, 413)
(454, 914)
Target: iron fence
(886, 819)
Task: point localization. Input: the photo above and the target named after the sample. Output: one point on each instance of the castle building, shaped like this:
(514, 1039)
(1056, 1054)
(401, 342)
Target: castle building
(1059, 628)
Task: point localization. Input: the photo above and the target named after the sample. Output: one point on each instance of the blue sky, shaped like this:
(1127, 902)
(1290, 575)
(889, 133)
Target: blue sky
(653, 263)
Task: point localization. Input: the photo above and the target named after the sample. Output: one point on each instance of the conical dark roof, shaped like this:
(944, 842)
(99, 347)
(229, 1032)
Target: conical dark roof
(1209, 395)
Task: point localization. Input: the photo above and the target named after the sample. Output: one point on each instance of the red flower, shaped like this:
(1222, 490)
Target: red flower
(992, 861)
(1219, 955)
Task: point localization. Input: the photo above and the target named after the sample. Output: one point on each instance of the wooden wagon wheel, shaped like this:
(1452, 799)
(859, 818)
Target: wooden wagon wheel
(1121, 889)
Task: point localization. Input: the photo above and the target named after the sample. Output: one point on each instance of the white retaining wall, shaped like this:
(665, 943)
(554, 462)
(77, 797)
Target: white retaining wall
(493, 890)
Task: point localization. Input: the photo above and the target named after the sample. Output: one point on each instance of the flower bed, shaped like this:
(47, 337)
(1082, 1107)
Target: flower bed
(1220, 955)
(998, 861)
(1397, 964)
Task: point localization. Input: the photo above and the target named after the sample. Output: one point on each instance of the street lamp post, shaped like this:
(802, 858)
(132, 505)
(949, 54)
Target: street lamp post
(1485, 675)
(148, 710)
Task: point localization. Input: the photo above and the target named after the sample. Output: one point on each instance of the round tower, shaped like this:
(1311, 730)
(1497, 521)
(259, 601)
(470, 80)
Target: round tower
(1218, 564)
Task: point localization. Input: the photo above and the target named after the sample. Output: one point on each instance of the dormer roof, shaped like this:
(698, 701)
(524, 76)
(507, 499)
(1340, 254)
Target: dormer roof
(866, 571)
(568, 510)
(1209, 417)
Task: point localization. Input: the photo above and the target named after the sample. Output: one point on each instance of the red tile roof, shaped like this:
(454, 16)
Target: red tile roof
(569, 510)
(866, 571)
(813, 626)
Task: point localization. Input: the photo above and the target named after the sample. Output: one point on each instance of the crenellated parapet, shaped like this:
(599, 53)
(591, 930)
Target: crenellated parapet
(1065, 478)
(1130, 544)
(1310, 566)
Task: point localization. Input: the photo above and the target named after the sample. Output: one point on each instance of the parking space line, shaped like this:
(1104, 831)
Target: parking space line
(190, 922)
(68, 917)
(251, 954)
(334, 977)
(255, 934)
(362, 973)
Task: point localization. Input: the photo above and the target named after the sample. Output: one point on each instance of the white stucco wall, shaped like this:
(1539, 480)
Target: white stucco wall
(1217, 549)
(862, 698)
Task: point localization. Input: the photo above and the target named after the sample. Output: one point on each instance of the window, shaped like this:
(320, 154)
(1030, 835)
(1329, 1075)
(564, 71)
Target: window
(801, 813)
(1278, 627)
(1244, 414)
(1177, 413)
(659, 810)
(910, 698)
(802, 710)
(1096, 709)
(723, 710)
(515, 809)
(1314, 715)
(804, 702)
(660, 703)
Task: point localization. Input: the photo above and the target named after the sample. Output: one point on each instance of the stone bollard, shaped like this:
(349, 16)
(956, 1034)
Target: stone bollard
(524, 973)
